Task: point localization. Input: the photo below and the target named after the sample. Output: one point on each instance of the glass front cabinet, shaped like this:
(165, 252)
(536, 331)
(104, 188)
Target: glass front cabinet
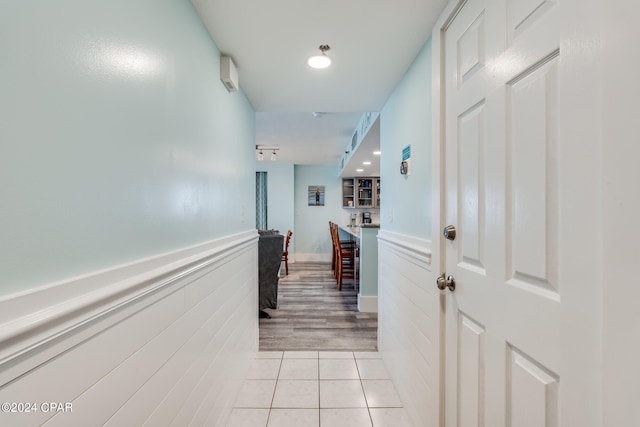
(361, 192)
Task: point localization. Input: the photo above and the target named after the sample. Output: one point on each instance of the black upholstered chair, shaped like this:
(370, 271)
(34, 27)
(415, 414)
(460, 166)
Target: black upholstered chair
(269, 258)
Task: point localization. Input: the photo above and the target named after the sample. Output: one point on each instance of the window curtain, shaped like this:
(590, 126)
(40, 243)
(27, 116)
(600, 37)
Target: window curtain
(261, 201)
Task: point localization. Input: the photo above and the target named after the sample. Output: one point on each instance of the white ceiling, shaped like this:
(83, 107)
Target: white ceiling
(305, 139)
(355, 164)
(373, 43)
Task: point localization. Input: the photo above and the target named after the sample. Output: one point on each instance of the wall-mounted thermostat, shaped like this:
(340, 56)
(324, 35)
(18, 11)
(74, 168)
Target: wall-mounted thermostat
(404, 167)
(406, 160)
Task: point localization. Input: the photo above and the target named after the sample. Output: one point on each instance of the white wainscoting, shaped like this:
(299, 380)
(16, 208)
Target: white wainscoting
(163, 341)
(409, 323)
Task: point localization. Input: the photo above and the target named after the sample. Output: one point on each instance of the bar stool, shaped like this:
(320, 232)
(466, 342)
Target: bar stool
(333, 230)
(333, 249)
(345, 266)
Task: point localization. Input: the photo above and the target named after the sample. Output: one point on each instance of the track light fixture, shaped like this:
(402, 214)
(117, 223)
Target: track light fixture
(260, 149)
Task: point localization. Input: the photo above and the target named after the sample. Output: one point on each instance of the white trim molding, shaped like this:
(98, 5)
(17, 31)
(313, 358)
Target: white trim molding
(36, 319)
(412, 248)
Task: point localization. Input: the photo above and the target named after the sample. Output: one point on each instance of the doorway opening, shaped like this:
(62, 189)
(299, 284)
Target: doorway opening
(313, 314)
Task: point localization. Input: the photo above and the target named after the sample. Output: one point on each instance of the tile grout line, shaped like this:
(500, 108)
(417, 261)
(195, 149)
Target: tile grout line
(319, 418)
(366, 401)
(274, 390)
(318, 358)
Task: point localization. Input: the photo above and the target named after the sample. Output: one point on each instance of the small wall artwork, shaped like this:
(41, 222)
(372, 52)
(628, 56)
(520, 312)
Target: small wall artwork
(316, 195)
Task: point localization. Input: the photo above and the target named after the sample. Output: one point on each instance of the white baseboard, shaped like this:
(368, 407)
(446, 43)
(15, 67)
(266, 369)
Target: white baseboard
(367, 304)
(313, 257)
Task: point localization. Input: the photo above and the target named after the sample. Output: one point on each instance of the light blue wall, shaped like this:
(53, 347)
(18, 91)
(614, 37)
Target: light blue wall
(312, 222)
(118, 141)
(280, 196)
(406, 119)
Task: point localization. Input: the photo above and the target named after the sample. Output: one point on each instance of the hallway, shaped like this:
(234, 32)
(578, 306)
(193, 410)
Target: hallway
(129, 274)
(318, 363)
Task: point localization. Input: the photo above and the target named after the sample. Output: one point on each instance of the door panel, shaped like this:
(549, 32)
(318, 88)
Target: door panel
(471, 50)
(523, 13)
(471, 195)
(532, 198)
(471, 376)
(532, 393)
(502, 194)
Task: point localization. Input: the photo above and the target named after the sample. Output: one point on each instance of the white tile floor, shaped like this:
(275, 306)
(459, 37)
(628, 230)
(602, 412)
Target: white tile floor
(318, 389)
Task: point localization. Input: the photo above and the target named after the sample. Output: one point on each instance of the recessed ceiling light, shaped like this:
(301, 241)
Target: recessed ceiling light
(376, 153)
(359, 170)
(366, 163)
(320, 61)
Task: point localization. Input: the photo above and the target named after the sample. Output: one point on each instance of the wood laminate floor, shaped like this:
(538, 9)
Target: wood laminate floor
(313, 314)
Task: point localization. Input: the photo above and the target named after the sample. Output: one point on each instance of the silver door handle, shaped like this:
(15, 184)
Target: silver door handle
(443, 283)
(449, 232)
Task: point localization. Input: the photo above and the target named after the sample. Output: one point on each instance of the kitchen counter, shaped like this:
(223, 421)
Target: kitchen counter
(354, 231)
(366, 237)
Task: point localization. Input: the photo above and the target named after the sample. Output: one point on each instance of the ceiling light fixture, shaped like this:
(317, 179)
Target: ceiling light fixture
(359, 170)
(320, 61)
(260, 149)
(376, 153)
(366, 163)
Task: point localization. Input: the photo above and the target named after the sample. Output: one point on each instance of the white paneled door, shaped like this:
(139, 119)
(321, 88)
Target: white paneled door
(502, 341)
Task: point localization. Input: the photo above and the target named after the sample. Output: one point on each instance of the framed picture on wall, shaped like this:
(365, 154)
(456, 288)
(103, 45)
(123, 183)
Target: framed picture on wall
(316, 195)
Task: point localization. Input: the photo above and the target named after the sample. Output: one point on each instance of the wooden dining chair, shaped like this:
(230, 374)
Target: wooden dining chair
(285, 253)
